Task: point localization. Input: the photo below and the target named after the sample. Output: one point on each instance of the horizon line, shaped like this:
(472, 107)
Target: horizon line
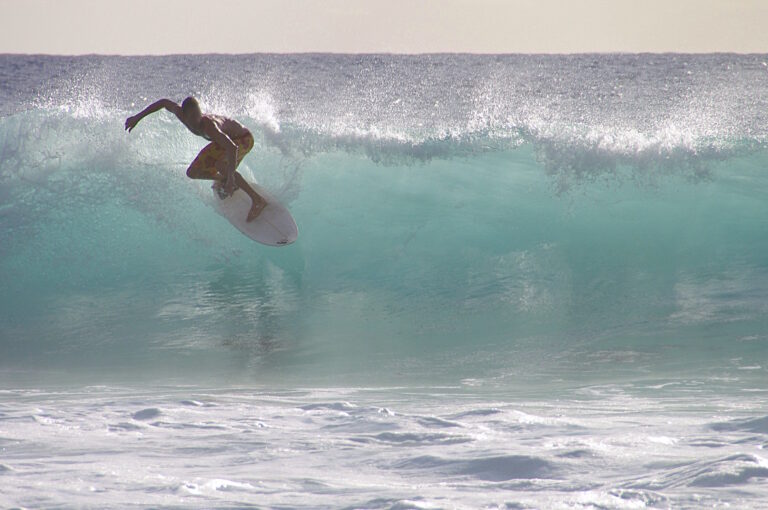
(388, 53)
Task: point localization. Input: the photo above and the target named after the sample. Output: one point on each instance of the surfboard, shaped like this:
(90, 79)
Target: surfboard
(274, 226)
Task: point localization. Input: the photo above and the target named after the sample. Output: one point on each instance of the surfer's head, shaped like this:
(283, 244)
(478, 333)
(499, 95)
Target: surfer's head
(190, 109)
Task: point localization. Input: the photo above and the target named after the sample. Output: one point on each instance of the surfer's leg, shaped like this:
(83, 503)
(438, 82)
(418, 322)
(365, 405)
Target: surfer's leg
(258, 203)
(211, 164)
(204, 165)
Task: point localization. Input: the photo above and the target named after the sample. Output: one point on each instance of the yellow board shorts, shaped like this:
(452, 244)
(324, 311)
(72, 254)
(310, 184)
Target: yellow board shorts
(204, 165)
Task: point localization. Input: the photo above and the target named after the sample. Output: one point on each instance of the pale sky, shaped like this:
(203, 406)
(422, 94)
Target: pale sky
(393, 26)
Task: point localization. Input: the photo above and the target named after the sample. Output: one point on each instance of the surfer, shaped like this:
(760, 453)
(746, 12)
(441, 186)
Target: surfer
(218, 161)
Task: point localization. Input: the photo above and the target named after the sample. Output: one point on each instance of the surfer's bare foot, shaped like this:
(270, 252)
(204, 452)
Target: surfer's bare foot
(256, 208)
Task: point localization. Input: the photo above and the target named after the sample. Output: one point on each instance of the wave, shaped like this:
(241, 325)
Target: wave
(493, 242)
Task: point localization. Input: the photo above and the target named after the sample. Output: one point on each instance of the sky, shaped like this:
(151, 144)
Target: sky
(139, 27)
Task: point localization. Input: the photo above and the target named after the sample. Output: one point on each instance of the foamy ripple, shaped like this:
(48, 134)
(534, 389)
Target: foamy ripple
(334, 448)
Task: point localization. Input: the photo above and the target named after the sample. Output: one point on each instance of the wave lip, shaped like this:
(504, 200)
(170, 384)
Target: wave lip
(579, 112)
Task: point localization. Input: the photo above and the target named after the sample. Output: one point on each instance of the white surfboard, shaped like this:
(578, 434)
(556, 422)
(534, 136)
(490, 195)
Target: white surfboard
(274, 226)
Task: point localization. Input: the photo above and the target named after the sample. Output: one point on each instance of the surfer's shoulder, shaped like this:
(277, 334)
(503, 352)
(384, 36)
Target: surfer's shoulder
(171, 106)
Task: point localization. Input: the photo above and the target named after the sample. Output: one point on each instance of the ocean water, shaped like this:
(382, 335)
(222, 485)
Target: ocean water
(520, 282)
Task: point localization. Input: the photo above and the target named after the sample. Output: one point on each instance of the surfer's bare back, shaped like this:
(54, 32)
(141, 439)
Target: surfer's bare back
(218, 161)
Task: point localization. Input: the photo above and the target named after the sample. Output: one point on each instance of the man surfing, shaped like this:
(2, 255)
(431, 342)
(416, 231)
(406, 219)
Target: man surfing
(230, 142)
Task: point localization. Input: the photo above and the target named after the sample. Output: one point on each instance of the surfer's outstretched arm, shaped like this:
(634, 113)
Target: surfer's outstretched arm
(169, 105)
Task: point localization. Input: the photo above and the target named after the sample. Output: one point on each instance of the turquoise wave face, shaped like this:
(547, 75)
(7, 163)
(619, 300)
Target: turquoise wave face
(435, 256)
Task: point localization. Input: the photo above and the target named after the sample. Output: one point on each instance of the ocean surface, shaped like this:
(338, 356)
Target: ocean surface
(521, 282)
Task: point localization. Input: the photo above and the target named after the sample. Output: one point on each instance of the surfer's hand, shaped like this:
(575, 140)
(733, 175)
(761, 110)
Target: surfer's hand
(131, 122)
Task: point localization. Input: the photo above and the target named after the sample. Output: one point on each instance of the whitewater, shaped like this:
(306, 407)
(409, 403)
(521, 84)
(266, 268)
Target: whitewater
(521, 281)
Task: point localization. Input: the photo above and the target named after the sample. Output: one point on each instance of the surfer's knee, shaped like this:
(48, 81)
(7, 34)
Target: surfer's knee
(191, 173)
